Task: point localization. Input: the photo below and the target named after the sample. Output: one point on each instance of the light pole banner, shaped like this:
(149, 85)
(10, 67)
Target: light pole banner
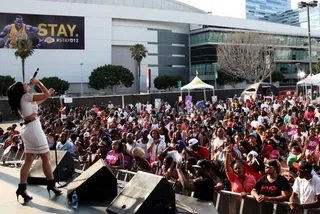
(148, 79)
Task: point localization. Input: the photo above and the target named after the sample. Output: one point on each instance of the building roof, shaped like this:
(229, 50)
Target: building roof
(154, 4)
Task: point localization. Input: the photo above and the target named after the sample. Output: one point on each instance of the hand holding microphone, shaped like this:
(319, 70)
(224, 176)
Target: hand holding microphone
(33, 79)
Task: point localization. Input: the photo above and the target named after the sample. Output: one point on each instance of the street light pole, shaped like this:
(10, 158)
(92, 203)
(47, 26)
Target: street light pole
(81, 64)
(311, 4)
(309, 39)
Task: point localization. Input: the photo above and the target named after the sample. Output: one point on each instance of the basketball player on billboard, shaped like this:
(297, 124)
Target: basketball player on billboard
(19, 30)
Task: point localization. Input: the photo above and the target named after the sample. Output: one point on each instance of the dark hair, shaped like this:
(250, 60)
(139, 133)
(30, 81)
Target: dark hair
(15, 92)
(18, 17)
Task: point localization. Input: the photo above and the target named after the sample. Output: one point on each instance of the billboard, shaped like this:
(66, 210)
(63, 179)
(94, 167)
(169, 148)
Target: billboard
(44, 31)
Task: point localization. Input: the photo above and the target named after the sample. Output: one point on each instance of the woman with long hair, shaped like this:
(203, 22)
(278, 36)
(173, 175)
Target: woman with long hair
(115, 157)
(25, 105)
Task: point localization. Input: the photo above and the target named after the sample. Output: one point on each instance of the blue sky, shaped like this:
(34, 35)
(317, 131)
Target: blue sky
(231, 8)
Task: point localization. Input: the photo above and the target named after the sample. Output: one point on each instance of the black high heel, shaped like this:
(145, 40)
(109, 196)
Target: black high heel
(51, 187)
(21, 191)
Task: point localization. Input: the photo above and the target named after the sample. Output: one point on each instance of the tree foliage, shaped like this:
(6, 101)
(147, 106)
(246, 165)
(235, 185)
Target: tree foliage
(276, 76)
(24, 50)
(225, 78)
(111, 77)
(316, 70)
(165, 82)
(247, 56)
(59, 85)
(138, 52)
(5, 82)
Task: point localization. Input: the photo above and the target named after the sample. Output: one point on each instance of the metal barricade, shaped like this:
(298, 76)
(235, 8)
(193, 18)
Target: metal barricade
(227, 202)
(11, 158)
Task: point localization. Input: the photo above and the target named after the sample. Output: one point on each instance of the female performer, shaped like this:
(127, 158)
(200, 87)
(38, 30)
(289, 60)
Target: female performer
(25, 105)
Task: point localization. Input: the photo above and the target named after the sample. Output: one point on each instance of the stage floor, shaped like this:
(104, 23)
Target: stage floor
(41, 203)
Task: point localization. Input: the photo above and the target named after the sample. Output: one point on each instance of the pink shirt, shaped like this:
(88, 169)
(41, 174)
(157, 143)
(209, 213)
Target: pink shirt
(112, 158)
(236, 184)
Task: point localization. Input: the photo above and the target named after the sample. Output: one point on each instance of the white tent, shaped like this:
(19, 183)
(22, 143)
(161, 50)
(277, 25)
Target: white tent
(310, 80)
(197, 83)
(316, 79)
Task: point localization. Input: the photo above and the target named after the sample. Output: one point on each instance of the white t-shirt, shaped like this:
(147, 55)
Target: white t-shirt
(307, 190)
(276, 106)
(157, 148)
(264, 105)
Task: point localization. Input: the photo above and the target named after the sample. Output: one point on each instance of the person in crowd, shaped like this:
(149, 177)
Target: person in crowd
(65, 145)
(156, 145)
(272, 186)
(306, 188)
(203, 185)
(197, 151)
(240, 182)
(115, 157)
(140, 162)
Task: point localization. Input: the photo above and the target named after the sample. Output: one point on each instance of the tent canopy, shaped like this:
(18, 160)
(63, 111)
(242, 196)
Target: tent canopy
(310, 80)
(197, 83)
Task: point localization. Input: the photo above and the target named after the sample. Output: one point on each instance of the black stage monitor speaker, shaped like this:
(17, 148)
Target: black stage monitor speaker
(145, 193)
(61, 172)
(96, 183)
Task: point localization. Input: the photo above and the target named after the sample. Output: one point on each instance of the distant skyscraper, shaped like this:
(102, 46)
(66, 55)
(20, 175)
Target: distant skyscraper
(297, 17)
(259, 9)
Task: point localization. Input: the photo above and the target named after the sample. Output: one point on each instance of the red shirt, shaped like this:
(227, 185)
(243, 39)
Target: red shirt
(237, 185)
(309, 115)
(248, 171)
(203, 152)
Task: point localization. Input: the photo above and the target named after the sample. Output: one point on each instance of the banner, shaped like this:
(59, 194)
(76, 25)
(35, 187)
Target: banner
(148, 78)
(291, 132)
(312, 145)
(157, 103)
(44, 31)
(188, 102)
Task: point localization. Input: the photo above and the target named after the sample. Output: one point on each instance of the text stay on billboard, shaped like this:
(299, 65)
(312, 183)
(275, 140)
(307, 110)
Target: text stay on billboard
(44, 31)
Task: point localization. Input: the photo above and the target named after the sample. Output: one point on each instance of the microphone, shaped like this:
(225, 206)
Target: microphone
(35, 73)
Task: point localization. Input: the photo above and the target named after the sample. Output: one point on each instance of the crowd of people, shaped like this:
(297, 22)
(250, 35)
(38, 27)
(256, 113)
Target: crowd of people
(265, 148)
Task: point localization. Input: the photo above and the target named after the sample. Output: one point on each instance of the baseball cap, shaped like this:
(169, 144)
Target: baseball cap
(181, 144)
(253, 154)
(268, 148)
(203, 164)
(193, 142)
(253, 135)
(86, 134)
(272, 163)
(303, 166)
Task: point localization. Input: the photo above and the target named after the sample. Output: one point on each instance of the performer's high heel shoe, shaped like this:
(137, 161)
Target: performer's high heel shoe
(21, 191)
(52, 187)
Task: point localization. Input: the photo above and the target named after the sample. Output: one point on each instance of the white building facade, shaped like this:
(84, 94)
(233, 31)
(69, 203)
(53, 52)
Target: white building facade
(111, 27)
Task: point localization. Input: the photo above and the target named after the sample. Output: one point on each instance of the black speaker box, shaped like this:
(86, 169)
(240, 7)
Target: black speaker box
(61, 172)
(96, 183)
(145, 193)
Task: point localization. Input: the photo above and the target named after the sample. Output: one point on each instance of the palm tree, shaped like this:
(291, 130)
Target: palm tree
(24, 50)
(138, 52)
